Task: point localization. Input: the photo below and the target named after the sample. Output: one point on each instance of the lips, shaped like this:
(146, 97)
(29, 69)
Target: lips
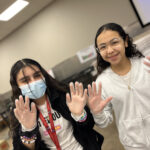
(114, 57)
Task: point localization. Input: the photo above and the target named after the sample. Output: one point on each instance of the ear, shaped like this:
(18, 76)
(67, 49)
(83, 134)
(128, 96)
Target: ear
(126, 42)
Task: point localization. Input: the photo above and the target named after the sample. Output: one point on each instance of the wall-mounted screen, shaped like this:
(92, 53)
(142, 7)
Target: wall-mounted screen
(142, 10)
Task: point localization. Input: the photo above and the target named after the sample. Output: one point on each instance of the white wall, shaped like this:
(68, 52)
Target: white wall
(59, 31)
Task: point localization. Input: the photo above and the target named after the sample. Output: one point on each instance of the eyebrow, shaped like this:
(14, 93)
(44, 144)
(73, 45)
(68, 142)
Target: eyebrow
(25, 77)
(109, 41)
(37, 72)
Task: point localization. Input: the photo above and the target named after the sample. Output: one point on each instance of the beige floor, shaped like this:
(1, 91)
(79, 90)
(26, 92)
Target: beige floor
(111, 141)
(4, 135)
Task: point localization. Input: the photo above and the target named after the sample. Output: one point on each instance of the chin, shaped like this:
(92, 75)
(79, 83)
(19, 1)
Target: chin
(115, 62)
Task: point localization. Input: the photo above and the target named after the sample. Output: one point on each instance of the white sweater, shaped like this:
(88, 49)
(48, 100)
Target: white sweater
(131, 107)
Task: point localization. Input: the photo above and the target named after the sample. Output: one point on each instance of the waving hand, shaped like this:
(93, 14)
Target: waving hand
(95, 102)
(77, 98)
(25, 116)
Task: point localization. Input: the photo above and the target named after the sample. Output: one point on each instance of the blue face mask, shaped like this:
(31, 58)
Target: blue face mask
(34, 90)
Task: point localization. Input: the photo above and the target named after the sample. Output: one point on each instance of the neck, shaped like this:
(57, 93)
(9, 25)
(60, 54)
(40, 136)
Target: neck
(41, 100)
(123, 67)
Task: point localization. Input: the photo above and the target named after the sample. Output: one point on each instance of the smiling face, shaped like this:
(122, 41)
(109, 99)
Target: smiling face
(111, 47)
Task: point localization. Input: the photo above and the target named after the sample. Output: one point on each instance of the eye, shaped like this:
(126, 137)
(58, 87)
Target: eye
(37, 75)
(115, 42)
(25, 80)
(102, 48)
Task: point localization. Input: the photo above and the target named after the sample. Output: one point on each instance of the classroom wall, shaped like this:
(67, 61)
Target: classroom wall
(59, 31)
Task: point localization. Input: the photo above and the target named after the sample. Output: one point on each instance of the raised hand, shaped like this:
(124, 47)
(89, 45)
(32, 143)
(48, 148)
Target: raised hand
(95, 102)
(77, 98)
(25, 116)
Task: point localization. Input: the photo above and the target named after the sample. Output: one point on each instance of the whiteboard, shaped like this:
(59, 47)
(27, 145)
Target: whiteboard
(142, 10)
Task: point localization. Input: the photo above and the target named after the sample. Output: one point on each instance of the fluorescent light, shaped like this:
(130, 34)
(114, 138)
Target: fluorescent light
(11, 11)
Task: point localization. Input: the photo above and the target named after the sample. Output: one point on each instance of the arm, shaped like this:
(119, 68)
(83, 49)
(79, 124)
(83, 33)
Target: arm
(27, 119)
(105, 117)
(18, 145)
(101, 108)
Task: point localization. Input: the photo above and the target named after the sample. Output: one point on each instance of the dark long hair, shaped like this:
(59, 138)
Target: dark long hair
(51, 83)
(130, 51)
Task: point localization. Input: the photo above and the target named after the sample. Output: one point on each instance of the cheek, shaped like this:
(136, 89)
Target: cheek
(122, 51)
(104, 56)
(20, 84)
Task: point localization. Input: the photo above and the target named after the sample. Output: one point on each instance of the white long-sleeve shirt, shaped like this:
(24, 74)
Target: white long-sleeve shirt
(131, 107)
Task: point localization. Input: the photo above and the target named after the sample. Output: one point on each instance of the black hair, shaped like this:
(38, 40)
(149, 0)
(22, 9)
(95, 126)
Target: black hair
(130, 51)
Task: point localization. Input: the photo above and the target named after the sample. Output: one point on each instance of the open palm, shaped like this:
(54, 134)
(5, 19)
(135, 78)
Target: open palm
(95, 102)
(25, 115)
(77, 98)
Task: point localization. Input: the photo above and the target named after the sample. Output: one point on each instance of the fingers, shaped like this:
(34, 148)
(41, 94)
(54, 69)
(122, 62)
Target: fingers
(90, 90)
(21, 102)
(147, 61)
(77, 88)
(26, 105)
(68, 98)
(17, 114)
(17, 104)
(33, 108)
(72, 90)
(81, 89)
(94, 88)
(85, 94)
(148, 57)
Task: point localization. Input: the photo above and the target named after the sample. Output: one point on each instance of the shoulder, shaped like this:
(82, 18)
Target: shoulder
(137, 59)
(104, 76)
(137, 62)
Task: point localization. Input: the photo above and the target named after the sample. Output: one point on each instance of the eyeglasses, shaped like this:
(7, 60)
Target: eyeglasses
(114, 43)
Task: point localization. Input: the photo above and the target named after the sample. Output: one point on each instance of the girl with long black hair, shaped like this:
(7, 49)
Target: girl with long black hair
(45, 116)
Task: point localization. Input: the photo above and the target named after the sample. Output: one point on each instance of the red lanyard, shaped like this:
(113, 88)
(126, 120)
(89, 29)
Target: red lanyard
(51, 132)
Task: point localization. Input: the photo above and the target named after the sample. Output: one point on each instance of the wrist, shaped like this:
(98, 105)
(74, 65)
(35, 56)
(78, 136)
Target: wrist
(80, 118)
(78, 114)
(24, 129)
(97, 113)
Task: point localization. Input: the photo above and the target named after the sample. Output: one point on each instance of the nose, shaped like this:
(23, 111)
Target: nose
(110, 50)
(32, 79)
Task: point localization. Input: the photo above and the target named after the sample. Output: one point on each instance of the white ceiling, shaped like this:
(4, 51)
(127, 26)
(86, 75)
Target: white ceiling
(32, 9)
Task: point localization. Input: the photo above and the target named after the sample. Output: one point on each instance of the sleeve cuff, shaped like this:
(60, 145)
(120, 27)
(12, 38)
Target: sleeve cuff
(99, 116)
(24, 129)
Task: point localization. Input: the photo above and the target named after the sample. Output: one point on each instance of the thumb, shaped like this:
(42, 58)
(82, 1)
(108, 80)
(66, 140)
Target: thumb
(106, 101)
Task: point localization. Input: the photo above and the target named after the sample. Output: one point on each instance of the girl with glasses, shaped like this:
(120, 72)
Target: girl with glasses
(124, 79)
